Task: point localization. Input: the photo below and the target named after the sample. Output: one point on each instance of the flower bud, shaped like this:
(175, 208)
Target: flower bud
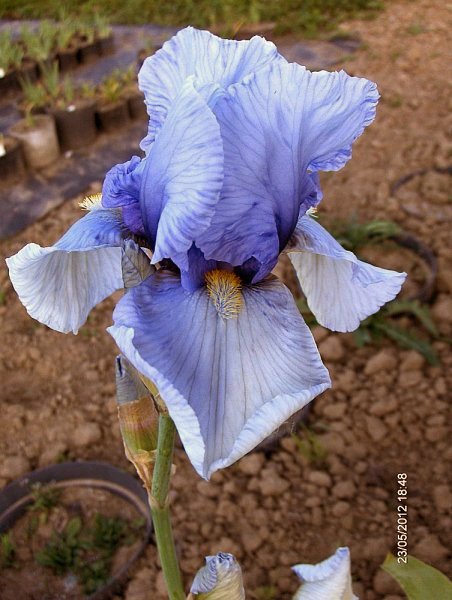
(138, 419)
(219, 579)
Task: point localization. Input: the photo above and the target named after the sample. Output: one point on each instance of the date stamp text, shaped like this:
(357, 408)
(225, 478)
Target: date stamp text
(402, 518)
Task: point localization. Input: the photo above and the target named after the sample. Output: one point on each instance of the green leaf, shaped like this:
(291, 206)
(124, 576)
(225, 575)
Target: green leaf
(73, 528)
(418, 580)
(406, 339)
(415, 308)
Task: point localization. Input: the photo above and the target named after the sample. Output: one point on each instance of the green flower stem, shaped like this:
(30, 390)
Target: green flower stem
(158, 501)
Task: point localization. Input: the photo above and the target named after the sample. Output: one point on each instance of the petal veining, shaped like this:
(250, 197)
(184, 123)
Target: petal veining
(60, 284)
(216, 63)
(327, 580)
(340, 289)
(182, 178)
(227, 383)
(278, 126)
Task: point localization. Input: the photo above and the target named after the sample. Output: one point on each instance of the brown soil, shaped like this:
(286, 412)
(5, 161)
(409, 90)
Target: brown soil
(388, 411)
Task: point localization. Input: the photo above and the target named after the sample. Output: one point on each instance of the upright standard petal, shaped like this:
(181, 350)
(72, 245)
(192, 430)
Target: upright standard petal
(328, 580)
(340, 290)
(277, 126)
(227, 382)
(209, 58)
(182, 177)
(60, 284)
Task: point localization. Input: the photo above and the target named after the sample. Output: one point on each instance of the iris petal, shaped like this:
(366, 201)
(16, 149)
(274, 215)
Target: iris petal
(328, 580)
(216, 63)
(340, 289)
(182, 177)
(277, 126)
(60, 284)
(228, 383)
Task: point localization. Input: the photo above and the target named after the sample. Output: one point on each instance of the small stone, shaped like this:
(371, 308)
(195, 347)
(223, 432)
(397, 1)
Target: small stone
(332, 442)
(442, 497)
(340, 509)
(271, 484)
(320, 478)
(344, 489)
(410, 379)
(335, 411)
(413, 361)
(252, 539)
(384, 406)
(252, 463)
(52, 453)
(383, 583)
(86, 434)
(376, 428)
(13, 467)
(319, 333)
(331, 349)
(207, 489)
(442, 309)
(382, 361)
(436, 434)
(430, 550)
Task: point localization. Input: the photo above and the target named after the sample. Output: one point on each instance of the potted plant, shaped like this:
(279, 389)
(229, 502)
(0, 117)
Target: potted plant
(11, 56)
(89, 49)
(39, 138)
(112, 111)
(74, 111)
(34, 97)
(40, 44)
(104, 35)
(12, 166)
(135, 98)
(66, 47)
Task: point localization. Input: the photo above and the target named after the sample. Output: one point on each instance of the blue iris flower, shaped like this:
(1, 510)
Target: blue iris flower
(236, 138)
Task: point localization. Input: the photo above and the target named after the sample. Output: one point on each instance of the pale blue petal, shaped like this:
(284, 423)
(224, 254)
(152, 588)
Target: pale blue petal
(182, 177)
(341, 290)
(60, 284)
(228, 383)
(215, 63)
(328, 580)
(278, 126)
(220, 579)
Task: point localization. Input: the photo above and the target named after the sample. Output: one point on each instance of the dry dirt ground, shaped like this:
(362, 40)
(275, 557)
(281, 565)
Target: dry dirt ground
(388, 411)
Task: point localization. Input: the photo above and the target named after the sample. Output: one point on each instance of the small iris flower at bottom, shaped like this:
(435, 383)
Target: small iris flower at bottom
(221, 579)
(236, 138)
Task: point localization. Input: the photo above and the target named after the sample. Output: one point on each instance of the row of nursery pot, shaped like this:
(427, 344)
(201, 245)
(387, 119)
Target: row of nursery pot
(70, 42)
(59, 117)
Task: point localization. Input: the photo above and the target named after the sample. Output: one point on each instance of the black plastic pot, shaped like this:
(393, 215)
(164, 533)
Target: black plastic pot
(76, 125)
(12, 164)
(9, 82)
(88, 52)
(67, 59)
(113, 116)
(137, 107)
(106, 45)
(15, 498)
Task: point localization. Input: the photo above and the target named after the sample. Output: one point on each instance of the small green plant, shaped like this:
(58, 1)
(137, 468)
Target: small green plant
(380, 325)
(66, 93)
(310, 446)
(11, 53)
(87, 551)
(51, 80)
(39, 46)
(265, 592)
(65, 34)
(353, 235)
(416, 29)
(7, 551)
(111, 89)
(45, 497)
(35, 96)
(101, 25)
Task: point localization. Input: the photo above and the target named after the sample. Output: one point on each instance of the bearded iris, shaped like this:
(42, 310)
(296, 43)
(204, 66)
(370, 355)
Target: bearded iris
(235, 142)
